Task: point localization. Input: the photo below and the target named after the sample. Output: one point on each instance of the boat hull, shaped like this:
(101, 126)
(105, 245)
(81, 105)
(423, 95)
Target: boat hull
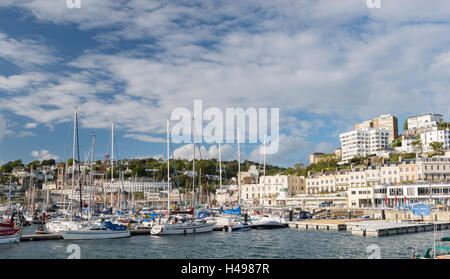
(269, 225)
(181, 230)
(94, 234)
(239, 228)
(9, 236)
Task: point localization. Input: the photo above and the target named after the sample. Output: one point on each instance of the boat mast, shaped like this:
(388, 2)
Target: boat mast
(79, 173)
(220, 167)
(46, 193)
(168, 171)
(193, 162)
(9, 195)
(239, 168)
(73, 160)
(92, 169)
(112, 162)
(29, 188)
(33, 196)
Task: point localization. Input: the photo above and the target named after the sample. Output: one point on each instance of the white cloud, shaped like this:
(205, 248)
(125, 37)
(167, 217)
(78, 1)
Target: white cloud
(145, 138)
(228, 152)
(18, 82)
(43, 155)
(24, 52)
(362, 63)
(23, 134)
(31, 125)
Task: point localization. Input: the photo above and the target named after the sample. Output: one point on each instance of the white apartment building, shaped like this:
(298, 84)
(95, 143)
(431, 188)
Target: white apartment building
(387, 122)
(363, 142)
(407, 145)
(271, 187)
(435, 135)
(424, 121)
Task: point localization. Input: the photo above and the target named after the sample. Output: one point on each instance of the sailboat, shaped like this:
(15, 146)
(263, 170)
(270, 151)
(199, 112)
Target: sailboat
(107, 230)
(89, 230)
(66, 224)
(175, 226)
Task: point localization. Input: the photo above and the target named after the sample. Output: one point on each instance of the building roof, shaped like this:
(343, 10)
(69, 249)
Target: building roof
(430, 113)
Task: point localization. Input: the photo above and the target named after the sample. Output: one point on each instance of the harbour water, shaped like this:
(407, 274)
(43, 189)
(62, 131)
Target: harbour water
(253, 244)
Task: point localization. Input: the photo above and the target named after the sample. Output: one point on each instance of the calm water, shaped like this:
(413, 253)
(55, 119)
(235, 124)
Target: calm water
(254, 244)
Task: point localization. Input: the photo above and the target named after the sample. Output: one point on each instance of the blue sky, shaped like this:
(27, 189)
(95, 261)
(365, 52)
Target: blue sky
(325, 64)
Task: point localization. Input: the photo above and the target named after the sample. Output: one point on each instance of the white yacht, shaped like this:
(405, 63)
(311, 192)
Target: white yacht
(270, 222)
(94, 231)
(182, 228)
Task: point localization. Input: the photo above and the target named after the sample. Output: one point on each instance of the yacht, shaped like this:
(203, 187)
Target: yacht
(184, 228)
(93, 231)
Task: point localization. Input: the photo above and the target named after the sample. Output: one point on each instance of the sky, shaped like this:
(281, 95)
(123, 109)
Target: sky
(325, 64)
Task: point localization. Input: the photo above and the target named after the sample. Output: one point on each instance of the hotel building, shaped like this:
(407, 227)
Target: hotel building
(363, 142)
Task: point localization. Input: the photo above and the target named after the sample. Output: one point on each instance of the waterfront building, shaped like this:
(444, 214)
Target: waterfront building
(363, 142)
(434, 169)
(361, 196)
(342, 180)
(412, 193)
(133, 186)
(271, 187)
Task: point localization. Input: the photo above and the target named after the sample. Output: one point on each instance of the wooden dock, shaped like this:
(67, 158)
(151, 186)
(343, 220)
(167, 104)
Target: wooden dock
(39, 237)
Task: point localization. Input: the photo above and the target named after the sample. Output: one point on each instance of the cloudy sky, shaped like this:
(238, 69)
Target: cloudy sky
(324, 64)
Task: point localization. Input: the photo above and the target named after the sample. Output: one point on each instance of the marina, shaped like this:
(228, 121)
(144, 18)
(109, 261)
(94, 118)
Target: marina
(253, 244)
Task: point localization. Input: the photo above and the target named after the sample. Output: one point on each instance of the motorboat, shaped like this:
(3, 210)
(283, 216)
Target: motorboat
(243, 226)
(184, 228)
(270, 222)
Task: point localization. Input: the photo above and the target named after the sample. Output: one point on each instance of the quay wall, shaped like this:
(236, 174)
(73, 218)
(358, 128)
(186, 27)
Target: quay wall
(392, 215)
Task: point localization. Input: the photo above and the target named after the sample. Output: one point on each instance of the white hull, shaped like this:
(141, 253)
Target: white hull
(94, 234)
(10, 239)
(270, 223)
(182, 229)
(61, 226)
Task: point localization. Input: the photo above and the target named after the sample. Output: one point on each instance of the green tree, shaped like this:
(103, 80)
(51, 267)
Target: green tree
(438, 147)
(405, 125)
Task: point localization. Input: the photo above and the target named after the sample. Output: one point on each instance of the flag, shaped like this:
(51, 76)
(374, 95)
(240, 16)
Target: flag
(385, 199)
(107, 156)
